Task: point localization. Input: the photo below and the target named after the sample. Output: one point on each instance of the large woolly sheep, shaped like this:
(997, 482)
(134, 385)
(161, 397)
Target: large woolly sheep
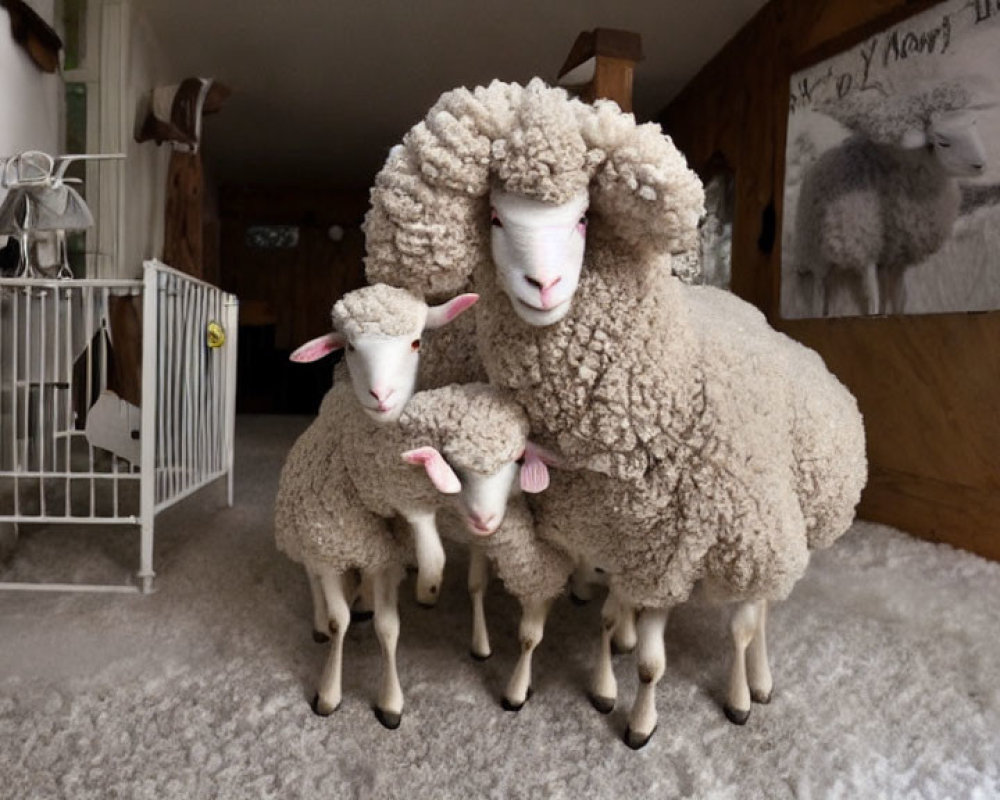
(887, 197)
(721, 436)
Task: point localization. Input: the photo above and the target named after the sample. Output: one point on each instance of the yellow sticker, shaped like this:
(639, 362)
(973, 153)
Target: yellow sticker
(216, 335)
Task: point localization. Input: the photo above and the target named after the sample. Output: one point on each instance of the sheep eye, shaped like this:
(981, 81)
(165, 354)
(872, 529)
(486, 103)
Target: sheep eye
(494, 219)
(350, 347)
(583, 220)
(944, 143)
(415, 345)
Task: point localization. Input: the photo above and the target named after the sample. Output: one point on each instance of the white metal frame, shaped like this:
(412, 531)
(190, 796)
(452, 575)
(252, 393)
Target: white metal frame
(188, 405)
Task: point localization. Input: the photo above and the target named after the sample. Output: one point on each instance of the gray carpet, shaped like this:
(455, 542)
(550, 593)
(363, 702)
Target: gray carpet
(886, 662)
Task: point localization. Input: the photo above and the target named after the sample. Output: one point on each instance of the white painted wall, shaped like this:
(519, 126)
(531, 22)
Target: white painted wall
(29, 118)
(148, 65)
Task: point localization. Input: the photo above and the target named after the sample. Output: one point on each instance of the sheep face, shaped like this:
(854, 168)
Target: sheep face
(538, 252)
(954, 141)
(482, 498)
(383, 366)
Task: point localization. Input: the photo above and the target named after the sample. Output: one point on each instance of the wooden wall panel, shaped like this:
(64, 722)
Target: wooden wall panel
(927, 385)
(286, 294)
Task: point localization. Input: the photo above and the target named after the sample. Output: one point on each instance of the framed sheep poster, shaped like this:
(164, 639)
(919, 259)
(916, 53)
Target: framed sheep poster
(892, 171)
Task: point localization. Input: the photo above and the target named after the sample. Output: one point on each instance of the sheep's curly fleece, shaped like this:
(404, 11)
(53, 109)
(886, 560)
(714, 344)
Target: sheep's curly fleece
(428, 226)
(885, 119)
(378, 310)
(477, 428)
(319, 518)
(720, 448)
(344, 481)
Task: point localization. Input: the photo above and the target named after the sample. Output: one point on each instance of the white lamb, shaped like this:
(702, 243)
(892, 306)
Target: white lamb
(888, 196)
(711, 448)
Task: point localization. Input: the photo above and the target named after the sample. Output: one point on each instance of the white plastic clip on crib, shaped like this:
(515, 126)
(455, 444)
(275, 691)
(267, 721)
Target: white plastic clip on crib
(73, 451)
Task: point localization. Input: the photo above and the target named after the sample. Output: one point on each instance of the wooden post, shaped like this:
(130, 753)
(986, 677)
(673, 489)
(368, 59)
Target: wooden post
(601, 64)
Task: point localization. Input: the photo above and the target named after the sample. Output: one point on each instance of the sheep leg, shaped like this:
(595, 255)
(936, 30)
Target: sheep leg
(389, 707)
(479, 576)
(328, 696)
(430, 558)
(758, 670)
(604, 689)
(746, 622)
(652, 663)
(532, 627)
(321, 616)
(624, 636)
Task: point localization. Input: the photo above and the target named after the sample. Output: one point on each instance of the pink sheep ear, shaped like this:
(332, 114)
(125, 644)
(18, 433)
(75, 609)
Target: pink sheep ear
(317, 348)
(446, 312)
(442, 476)
(535, 471)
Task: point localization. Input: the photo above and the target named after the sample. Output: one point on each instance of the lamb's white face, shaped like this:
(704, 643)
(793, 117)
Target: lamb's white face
(383, 368)
(384, 372)
(954, 140)
(538, 253)
(483, 498)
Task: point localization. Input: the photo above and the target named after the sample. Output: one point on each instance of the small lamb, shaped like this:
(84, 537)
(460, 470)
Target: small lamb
(380, 328)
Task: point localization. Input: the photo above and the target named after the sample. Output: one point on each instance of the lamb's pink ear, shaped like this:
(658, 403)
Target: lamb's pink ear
(446, 312)
(534, 471)
(317, 348)
(442, 476)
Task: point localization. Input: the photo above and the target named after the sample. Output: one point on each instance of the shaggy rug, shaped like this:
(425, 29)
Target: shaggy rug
(886, 661)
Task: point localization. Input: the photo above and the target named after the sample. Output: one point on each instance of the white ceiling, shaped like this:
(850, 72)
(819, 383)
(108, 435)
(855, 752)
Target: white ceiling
(323, 88)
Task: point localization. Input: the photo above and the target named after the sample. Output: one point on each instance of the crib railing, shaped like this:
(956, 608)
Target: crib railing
(73, 449)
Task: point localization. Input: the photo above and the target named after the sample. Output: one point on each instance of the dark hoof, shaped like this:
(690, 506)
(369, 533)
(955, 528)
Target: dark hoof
(426, 605)
(604, 705)
(389, 719)
(618, 650)
(361, 616)
(509, 706)
(320, 638)
(759, 697)
(736, 716)
(479, 656)
(577, 600)
(321, 712)
(635, 740)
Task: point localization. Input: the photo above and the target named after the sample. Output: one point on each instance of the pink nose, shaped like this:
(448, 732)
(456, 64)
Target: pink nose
(483, 521)
(381, 394)
(544, 286)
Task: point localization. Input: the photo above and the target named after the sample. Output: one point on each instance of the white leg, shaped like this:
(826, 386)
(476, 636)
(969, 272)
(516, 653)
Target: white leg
(758, 670)
(328, 696)
(530, 634)
(479, 576)
(604, 689)
(744, 624)
(430, 558)
(624, 636)
(389, 707)
(652, 662)
(321, 616)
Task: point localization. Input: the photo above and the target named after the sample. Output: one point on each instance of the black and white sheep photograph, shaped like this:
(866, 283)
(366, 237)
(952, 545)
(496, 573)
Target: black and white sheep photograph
(892, 172)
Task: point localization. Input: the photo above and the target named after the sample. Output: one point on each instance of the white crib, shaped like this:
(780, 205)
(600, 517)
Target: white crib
(73, 451)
